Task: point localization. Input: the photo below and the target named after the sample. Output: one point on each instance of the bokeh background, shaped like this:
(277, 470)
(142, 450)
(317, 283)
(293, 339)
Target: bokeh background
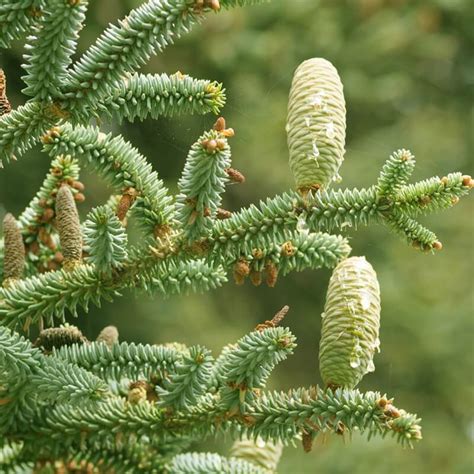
(407, 68)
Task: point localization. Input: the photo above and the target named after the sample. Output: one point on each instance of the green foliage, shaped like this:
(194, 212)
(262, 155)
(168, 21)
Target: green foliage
(105, 239)
(77, 402)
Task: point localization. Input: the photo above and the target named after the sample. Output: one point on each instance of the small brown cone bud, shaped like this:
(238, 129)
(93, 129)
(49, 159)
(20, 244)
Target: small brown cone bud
(58, 257)
(69, 228)
(437, 245)
(14, 249)
(255, 277)
(209, 145)
(235, 175)
(454, 200)
(5, 106)
(223, 214)
(228, 133)
(271, 272)
(109, 335)
(78, 185)
(79, 197)
(241, 270)
(467, 181)
(307, 441)
(128, 198)
(3, 83)
(287, 249)
(137, 392)
(48, 215)
(219, 126)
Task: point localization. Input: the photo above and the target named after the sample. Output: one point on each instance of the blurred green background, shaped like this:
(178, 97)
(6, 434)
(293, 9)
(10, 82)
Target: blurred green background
(407, 68)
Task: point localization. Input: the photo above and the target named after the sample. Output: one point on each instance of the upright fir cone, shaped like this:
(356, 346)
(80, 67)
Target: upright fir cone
(109, 335)
(5, 106)
(351, 321)
(316, 124)
(264, 454)
(58, 337)
(69, 228)
(14, 249)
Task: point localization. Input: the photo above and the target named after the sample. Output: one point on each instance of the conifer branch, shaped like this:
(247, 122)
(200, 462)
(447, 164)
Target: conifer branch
(17, 17)
(50, 46)
(121, 165)
(105, 240)
(202, 184)
(205, 463)
(189, 381)
(161, 95)
(21, 128)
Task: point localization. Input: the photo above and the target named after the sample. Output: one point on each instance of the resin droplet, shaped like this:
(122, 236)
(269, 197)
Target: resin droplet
(330, 131)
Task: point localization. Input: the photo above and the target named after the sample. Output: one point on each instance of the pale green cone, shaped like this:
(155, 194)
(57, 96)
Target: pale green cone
(316, 124)
(351, 321)
(264, 454)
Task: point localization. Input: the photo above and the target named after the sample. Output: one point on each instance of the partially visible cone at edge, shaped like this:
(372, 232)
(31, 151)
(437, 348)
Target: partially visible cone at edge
(14, 251)
(350, 324)
(109, 335)
(316, 125)
(264, 454)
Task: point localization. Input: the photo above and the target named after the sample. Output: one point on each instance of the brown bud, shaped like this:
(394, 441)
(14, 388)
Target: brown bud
(47, 215)
(45, 237)
(51, 135)
(109, 335)
(219, 126)
(209, 145)
(223, 214)
(255, 277)
(425, 200)
(235, 175)
(14, 250)
(257, 254)
(445, 180)
(56, 172)
(271, 272)
(391, 411)
(437, 245)
(242, 267)
(79, 197)
(454, 200)
(206, 212)
(137, 392)
(58, 257)
(220, 143)
(34, 248)
(287, 249)
(307, 441)
(228, 133)
(78, 185)
(69, 228)
(43, 202)
(467, 181)
(128, 198)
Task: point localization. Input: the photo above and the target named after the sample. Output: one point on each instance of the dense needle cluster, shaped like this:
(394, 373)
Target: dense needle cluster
(68, 404)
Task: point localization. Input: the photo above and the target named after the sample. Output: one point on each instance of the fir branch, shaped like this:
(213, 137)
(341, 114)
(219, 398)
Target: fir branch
(105, 239)
(16, 353)
(280, 416)
(395, 173)
(125, 47)
(189, 382)
(49, 295)
(161, 95)
(210, 463)
(124, 360)
(22, 127)
(17, 18)
(177, 277)
(50, 46)
(248, 364)
(202, 184)
(120, 164)
(413, 232)
(432, 195)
